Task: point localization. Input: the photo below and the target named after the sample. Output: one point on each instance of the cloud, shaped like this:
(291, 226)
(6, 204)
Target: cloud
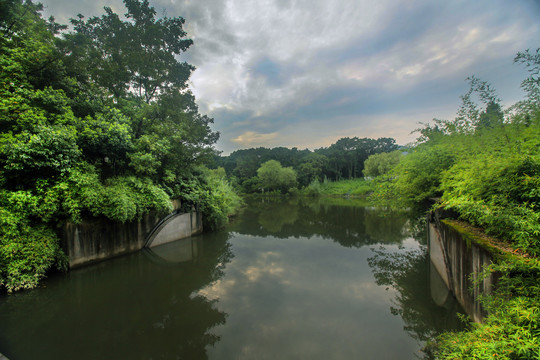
(253, 139)
(286, 73)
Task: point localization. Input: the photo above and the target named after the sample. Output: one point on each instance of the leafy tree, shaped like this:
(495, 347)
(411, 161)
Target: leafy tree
(531, 84)
(105, 140)
(94, 122)
(274, 177)
(469, 117)
(346, 157)
(417, 177)
(468, 114)
(382, 163)
(491, 117)
(137, 55)
(48, 153)
(311, 168)
(343, 159)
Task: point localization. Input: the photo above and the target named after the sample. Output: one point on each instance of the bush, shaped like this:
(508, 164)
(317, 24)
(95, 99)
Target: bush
(220, 201)
(496, 184)
(381, 164)
(212, 194)
(313, 189)
(512, 327)
(273, 177)
(354, 187)
(27, 249)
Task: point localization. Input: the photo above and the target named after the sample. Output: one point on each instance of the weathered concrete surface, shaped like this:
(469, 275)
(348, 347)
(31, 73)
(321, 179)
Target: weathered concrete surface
(460, 264)
(99, 238)
(176, 227)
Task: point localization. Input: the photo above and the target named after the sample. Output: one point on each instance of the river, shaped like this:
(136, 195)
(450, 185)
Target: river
(286, 279)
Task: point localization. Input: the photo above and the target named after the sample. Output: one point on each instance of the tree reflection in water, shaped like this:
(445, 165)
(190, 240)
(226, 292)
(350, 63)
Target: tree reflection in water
(404, 271)
(347, 221)
(131, 307)
(400, 263)
(163, 306)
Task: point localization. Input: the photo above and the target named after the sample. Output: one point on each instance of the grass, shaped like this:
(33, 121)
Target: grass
(353, 187)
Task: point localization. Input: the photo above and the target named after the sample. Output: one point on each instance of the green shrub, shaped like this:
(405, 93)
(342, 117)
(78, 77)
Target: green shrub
(273, 177)
(499, 190)
(212, 194)
(27, 249)
(381, 164)
(354, 187)
(417, 177)
(512, 328)
(313, 189)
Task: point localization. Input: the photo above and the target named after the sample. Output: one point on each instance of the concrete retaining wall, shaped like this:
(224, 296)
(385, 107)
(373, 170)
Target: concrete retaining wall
(99, 238)
(460, 263)
(176, 227)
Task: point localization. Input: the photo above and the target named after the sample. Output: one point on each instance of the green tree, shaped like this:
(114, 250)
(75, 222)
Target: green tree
(491, 117)
(136, 55)
(346, 157)
(381, 164)
(171, 137)
(311, 168)
(274, 177)
(94, 122)
(531, 85)
(49, 152)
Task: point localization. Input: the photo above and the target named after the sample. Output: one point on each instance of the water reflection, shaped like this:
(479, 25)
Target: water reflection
(327, 291)
(347, 221)
(128, 307)
(175, 252)
(300, 278)
(418, 290)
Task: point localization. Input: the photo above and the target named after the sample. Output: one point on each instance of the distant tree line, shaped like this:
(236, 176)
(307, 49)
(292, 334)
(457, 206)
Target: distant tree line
(341, 160)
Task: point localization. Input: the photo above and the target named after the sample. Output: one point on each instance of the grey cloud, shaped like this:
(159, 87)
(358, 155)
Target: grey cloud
(270, 70)
(275, 67)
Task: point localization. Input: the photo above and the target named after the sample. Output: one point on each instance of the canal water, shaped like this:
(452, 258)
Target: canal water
(287, 279)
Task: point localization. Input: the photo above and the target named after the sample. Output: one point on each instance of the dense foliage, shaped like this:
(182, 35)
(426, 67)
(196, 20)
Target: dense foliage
(343, 188)
(95, 121)
(485, 166)
(512, 328)
(381, 164)
(273, 177)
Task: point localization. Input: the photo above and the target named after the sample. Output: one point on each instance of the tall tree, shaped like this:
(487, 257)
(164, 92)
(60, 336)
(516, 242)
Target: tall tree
(491, 117)
(171, 137)
(531, 85)
(137, 55)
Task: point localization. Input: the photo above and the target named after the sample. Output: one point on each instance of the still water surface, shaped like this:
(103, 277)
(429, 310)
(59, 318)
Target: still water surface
(288, 279)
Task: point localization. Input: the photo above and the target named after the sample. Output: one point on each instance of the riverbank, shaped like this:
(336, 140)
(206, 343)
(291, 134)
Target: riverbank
(295, 277)
(511, 328)
(352, 188)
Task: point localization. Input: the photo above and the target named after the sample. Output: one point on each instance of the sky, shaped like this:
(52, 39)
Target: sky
(305, 73)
